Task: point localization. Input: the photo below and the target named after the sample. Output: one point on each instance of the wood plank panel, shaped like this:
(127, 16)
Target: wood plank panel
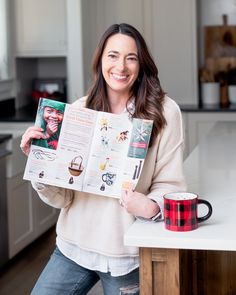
(145, 271)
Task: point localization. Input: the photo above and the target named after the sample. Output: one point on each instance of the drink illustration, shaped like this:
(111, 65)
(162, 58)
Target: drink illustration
(102, 166)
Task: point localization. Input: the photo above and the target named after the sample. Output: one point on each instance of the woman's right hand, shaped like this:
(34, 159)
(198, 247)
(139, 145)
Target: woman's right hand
(31, 133)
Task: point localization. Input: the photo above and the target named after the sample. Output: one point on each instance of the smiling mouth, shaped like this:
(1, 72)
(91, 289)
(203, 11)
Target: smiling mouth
(120, 77)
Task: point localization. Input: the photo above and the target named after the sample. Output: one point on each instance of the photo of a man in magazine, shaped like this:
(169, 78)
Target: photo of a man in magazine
(49, 117)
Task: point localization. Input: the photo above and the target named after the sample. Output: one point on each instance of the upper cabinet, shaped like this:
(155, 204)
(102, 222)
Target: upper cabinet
(40, 27)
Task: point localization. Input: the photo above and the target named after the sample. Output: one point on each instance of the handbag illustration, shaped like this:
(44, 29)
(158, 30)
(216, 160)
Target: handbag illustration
(75, 167)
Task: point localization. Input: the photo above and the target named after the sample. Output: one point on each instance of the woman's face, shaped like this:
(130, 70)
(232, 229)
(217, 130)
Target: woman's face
(120, 64)
(52, 115)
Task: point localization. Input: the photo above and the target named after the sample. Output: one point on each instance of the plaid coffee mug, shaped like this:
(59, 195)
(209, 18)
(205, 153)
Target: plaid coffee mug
(181, 211)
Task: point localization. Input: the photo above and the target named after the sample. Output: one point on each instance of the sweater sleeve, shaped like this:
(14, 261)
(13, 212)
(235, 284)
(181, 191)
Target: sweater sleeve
(54, 196)
(168, 174)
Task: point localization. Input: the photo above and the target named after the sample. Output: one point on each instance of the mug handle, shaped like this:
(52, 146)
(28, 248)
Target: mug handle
(208, 215)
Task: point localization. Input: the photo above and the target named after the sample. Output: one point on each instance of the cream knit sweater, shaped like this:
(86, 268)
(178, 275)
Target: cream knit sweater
(97, 223)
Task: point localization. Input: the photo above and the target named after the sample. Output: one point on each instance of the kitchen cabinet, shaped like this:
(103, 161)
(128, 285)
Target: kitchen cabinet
(39, 33)
(164, 271)
(3, 202)
(20, 214)
(198, 124)
(40, 27)
(184, 272)
(45, 216)
(27, 216)
(171, 29)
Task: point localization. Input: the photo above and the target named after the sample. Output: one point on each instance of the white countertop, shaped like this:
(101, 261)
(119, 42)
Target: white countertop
(211, 173)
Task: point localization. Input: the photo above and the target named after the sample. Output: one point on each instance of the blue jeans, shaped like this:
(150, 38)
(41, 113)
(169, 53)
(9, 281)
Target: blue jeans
(62, 276)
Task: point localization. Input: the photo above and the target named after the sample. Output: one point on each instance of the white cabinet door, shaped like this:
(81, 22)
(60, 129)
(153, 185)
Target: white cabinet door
(40, 27)
(45, 216)
(172, 32)
(20, 214)
(28, 216)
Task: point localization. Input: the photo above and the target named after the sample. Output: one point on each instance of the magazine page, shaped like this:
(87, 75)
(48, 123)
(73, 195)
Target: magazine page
(61, 158)
(117, 153)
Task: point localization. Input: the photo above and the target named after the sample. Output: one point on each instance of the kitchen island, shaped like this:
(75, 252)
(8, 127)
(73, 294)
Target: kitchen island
(202, 261)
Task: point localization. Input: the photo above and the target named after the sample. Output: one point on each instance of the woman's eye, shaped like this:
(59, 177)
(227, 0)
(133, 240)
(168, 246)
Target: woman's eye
(112, 56)
(132, 58)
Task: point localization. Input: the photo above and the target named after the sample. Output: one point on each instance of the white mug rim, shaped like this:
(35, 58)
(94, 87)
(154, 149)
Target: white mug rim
(180, 196)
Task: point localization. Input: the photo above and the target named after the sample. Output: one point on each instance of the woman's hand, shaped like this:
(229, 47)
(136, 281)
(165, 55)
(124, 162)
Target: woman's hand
(32, 132)
(138, 204)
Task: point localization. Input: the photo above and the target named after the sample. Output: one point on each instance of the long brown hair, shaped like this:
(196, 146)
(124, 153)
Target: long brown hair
(146, 89)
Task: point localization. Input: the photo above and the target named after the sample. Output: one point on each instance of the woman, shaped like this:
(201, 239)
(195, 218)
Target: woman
(49, 118)
(90, 229)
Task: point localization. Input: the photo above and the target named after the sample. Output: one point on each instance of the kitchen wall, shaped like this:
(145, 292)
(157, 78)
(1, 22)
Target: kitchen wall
(172, 46)
(167, 27)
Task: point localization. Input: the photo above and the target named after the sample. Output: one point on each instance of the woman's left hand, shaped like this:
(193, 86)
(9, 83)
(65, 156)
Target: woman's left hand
(138, 204)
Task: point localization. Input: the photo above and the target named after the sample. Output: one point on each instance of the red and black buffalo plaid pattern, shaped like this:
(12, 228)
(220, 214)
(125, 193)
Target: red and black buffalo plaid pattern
(181, 215)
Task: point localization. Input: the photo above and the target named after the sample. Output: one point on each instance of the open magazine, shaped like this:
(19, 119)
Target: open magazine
(87, 150)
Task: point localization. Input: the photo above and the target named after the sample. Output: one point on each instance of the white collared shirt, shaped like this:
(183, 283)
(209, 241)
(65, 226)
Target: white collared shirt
(117, 266)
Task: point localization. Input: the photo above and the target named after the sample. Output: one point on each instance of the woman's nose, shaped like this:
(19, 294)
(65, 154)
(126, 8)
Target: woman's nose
(121, 64)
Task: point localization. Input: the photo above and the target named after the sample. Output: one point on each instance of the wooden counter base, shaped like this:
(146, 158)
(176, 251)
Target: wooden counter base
(187, 272)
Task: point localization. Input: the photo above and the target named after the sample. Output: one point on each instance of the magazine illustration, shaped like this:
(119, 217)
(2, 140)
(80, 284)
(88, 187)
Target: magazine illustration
(86, 150)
